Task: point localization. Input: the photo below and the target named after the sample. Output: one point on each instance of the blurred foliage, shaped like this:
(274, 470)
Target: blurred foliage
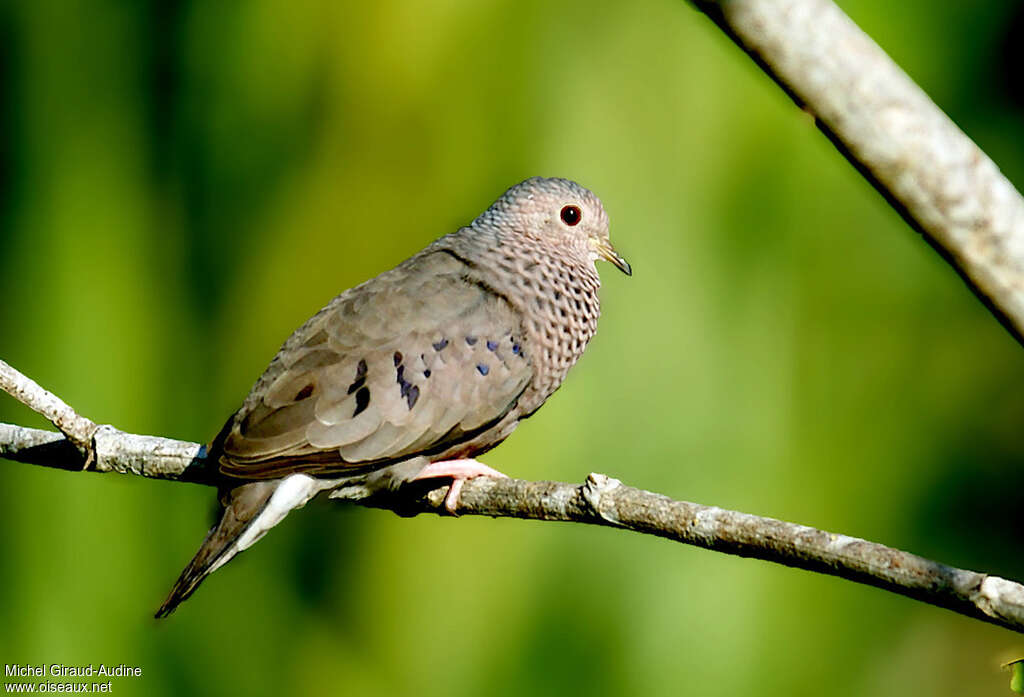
(183, 183)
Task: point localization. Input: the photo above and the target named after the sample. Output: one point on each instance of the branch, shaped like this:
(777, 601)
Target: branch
(78, 429)
(601, 500)
(888, 128)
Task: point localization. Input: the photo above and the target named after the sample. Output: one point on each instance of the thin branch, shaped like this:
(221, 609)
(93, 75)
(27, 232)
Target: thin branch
(888, 128)
(601, 500)
(78, 429)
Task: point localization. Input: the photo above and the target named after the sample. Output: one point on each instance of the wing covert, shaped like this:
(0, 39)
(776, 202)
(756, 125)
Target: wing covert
(409, 363)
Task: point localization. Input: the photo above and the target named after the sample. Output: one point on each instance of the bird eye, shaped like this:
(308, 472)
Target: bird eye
(571, 215)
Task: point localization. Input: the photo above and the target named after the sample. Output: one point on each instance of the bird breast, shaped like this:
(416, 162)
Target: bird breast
(557, 298)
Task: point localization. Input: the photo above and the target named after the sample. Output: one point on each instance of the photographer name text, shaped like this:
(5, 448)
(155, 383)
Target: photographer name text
(60, 670)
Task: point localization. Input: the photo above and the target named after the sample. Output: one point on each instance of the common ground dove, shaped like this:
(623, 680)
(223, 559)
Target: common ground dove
(411, 374)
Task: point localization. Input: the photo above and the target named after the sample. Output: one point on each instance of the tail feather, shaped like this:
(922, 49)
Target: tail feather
(242, 506)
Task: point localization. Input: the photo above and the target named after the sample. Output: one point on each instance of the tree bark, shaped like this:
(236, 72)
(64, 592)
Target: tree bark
(601, 500)
(942, 184)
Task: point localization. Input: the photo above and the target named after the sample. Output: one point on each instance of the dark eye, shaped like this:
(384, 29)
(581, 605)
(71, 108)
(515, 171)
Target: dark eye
(571, 215)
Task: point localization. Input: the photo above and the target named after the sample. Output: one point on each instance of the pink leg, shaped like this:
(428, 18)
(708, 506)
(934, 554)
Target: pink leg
(459, 471)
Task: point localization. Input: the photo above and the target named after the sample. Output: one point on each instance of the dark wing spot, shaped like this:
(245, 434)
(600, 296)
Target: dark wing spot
(362, 401)
(470, 340)
(304, 393)
(482, 368)
(426, 373)
(408, 390)
(360, 377)
(440, 344)
(492, 345)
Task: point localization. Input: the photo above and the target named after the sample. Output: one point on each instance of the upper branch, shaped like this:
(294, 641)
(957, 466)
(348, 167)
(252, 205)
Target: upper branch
(880, 120)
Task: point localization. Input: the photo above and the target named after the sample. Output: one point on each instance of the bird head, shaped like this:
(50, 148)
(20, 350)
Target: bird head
(556, 213)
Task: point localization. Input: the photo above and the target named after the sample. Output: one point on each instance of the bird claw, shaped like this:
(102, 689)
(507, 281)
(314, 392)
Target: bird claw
(451, 500)
(459, 471)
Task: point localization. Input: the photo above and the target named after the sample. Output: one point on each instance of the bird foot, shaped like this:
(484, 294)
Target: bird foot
(459, 471)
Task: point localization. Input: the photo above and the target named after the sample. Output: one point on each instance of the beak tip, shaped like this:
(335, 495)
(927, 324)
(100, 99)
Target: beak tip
(620, 263)
(608, 253)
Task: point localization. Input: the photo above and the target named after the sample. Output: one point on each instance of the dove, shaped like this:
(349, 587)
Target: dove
(416, 372)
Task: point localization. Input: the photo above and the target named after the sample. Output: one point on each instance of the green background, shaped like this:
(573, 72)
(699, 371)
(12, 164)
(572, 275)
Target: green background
(184, 183)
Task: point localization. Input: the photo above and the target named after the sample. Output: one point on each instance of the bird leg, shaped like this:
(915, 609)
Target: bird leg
(459, 471)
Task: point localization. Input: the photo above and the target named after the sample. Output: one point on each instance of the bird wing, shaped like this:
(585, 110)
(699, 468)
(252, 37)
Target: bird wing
(410, 363)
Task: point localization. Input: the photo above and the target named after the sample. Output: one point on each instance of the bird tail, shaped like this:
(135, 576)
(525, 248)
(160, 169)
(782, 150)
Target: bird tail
(243, 506)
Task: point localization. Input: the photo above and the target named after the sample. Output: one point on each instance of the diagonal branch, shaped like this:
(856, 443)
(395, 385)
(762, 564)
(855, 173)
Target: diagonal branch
(78, 429)
(601, 500)
(888, 128)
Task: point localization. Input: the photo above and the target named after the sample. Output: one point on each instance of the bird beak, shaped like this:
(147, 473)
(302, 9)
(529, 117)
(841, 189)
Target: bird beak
(604, 249)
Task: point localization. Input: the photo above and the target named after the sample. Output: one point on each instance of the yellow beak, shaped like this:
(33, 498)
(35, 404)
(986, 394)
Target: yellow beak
(605, 250)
